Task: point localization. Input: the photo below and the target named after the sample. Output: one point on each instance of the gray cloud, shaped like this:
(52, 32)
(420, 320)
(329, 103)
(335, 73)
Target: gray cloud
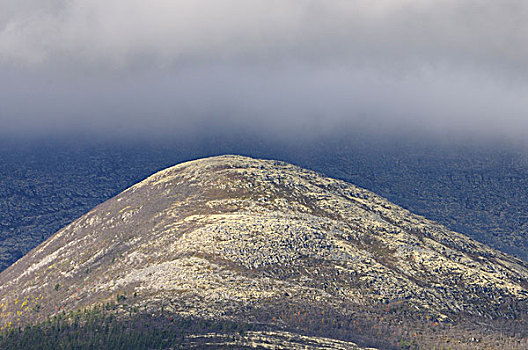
(135, 66)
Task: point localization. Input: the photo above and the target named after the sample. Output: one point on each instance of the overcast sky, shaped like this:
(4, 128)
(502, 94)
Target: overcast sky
(311, 66)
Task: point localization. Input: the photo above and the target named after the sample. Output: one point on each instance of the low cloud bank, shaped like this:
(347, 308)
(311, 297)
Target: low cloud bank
(136, 67)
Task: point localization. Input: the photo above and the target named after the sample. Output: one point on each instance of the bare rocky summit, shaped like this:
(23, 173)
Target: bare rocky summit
(269, 243)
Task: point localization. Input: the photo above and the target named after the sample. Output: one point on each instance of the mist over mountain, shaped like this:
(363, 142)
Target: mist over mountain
(285, 67)
(421, 102)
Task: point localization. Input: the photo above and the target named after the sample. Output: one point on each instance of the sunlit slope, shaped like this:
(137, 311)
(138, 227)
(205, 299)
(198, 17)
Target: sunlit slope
(237, 238)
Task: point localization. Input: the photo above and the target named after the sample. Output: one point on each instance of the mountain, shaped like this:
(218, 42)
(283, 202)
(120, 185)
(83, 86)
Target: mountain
(479, 190)
(276, 252)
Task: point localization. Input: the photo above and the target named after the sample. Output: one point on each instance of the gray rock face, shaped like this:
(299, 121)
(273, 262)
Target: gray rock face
(239, 238)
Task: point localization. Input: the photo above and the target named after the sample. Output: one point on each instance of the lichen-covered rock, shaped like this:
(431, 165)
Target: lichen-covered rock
(236, 237)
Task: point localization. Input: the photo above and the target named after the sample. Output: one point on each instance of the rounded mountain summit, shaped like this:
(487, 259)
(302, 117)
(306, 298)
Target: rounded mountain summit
(301, 259)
